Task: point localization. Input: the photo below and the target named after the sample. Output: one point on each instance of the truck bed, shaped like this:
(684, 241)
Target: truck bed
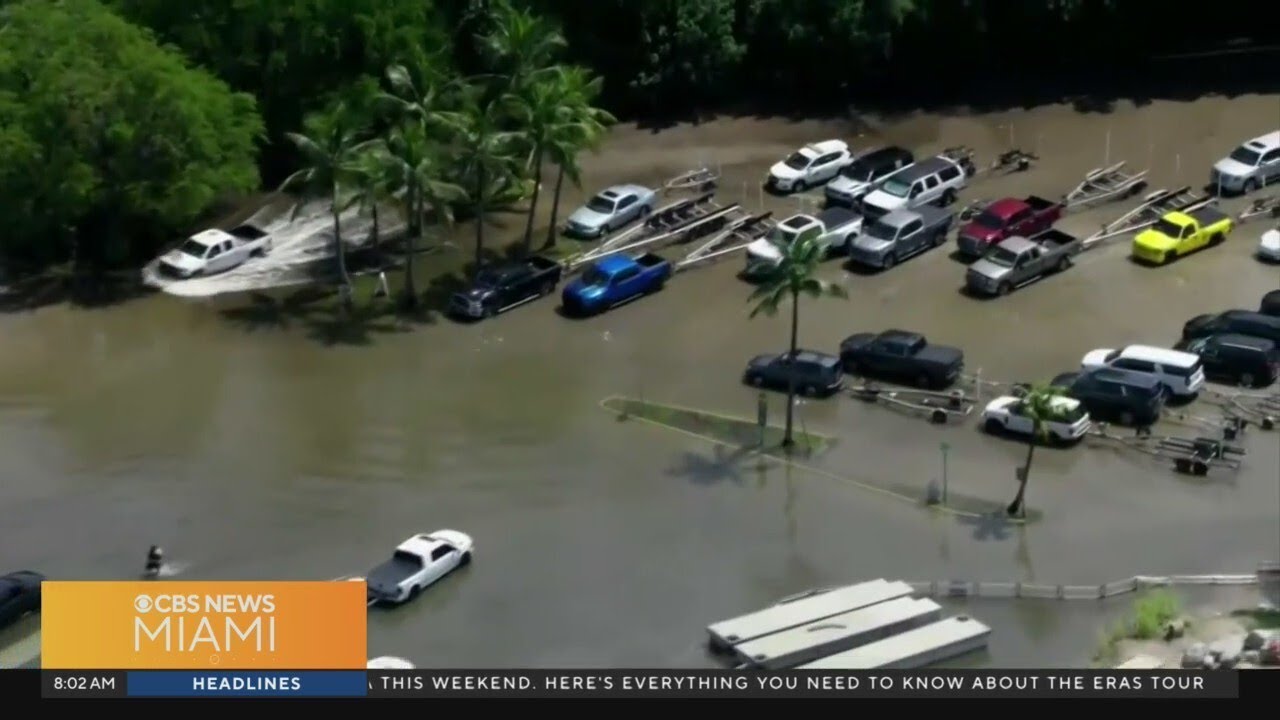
(1039, 204)
(247, 233)
(942, 355)
(386, 578)
(539, 264)
(1053, 239)
(649, 261)
(1208, 215)
(834, 217)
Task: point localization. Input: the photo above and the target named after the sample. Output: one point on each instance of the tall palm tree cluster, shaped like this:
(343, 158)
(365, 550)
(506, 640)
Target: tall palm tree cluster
(431, 144)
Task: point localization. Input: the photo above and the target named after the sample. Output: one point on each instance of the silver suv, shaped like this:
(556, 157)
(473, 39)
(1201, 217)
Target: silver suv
(1248, 167)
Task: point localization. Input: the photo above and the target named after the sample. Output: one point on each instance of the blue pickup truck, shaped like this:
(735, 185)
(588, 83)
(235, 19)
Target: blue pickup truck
(614, 280)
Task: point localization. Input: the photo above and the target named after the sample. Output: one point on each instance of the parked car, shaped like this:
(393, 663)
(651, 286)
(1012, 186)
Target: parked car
(1020, 261)
(832, 230)
(900, 235)
(868, 169)
(613, 280)
(1235, 322)
(1007, 218)
(900, 354)
(1270, 304)
(810, 166)
(19, 595)
(1181, 372)
(611, 209)
(214, 251)
(1238, 359)
(815, 374)
(1250, 166)
(1008, 414)
(500, 288)
(1269, 245)
(418, 562)
(937, 180)
(1131, 399)
(1179, 233)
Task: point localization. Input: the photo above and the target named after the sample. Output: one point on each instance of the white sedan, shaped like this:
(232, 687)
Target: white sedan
(1008, 414)
(1269, 246)
(810, 166)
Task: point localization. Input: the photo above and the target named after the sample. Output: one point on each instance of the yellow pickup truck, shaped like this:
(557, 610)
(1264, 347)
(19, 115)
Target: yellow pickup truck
(1179, 233)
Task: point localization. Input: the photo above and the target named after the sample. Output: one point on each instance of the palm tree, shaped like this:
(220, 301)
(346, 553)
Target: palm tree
(542, 112)
(520, 46)
(328, 148)
(793, 276)
(372, 178)
(582, 127)
(485, 153)
(416, 167)
(1039, 407)
(416, 161)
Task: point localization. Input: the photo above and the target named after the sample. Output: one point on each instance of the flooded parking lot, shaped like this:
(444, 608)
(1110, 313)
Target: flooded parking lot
(255, 449)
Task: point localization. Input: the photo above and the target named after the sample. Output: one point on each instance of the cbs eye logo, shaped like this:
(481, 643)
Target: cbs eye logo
(143, 604)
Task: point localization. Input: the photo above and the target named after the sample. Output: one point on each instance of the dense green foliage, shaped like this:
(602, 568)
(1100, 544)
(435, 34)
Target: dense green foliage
(113, 126)
(106, 135)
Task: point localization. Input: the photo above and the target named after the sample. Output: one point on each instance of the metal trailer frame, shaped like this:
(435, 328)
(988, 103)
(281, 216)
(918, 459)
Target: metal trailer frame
(703, 179)
(680, 221)
(1154, 206)
(734, 236)
(1190, 455)
(1269, 206)
(1261, 409)
(938, 407)
(1106, 184)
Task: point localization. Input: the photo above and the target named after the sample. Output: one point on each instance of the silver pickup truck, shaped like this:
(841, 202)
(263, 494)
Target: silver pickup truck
(899, 235)
(1019, 261)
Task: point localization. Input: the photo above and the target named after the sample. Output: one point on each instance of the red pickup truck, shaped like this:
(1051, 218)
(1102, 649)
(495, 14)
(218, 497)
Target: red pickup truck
(1007, 218)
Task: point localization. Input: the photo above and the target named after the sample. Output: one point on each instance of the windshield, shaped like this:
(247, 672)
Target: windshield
(858, 172)
(990, 220)
(1168, 229)
(782, 236)
(1245, 155)
(194, 249)
(600, 205)
(881, 231)
(1001, 256)
(593, 277)
(896, 188)
(798, 161)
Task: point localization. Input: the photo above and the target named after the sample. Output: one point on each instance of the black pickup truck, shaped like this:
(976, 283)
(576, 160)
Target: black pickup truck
(902, 355)
(503, 287)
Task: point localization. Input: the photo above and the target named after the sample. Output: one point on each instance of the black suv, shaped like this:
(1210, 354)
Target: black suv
(1270, 304)
(1129, 398)
(1240, 359)
(814, 373)
(1234, 322)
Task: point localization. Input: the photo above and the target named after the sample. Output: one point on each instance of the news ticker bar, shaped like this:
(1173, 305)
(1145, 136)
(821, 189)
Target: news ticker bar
(995, 684)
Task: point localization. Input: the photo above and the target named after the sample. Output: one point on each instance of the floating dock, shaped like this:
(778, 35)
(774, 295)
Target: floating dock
(803, 609)
(804, 644)
(913, 649)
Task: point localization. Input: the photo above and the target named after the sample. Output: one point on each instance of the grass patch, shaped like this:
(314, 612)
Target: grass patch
(738, 432)
(1145, 621)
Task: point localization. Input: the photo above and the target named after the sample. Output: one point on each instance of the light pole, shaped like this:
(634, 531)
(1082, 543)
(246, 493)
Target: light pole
(945, 447)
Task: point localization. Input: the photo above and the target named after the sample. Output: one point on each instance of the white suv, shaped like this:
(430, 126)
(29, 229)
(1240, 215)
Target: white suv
(1250, 166)
(1182, 373)
(810, 166)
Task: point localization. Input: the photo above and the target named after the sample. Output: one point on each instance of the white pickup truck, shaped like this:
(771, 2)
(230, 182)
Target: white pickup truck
(417, 563)
(833, 229)
(213, 251)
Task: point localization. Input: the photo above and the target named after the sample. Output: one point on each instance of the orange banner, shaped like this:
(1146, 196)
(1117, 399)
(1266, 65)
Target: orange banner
(159, 625)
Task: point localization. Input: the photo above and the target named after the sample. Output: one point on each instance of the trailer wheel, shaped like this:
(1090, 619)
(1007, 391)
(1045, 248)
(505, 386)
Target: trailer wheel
(1182, 465)
(1199, 467)
(1268, 423)
(938, 416)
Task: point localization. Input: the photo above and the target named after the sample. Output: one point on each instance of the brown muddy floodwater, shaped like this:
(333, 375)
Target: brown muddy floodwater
(255, 449)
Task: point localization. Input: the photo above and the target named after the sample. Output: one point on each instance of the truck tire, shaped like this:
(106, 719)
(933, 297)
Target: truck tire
(809, 391)
(948, 198)
(1126, 418)
(1250, 185)
(465, 560)
(1003, 289)
(993, 426)
(414, 592)
(756, 380)
(1216, 239)
(547, 288)
(1063, 263)
(799, 186)
(1246, 380)
(924, 381)
(940, 238)
(644, 211)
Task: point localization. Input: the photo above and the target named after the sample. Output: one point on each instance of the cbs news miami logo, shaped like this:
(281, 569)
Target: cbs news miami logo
(203, 625)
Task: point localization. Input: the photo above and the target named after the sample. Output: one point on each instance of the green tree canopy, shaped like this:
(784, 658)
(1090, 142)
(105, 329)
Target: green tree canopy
(108, 141)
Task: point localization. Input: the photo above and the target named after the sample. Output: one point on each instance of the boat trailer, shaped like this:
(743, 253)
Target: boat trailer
(1190, 455)
(678, 222)
(703, 179)
(938, 407)
(1154, 206)
(1268, 206)
(1262, 410)
(1106, 184)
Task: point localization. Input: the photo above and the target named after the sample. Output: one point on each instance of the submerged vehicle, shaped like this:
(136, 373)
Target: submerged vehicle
(213, 251)
(417, 563)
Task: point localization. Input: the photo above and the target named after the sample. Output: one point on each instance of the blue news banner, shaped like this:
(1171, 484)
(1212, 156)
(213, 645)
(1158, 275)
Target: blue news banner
(1166, 684)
